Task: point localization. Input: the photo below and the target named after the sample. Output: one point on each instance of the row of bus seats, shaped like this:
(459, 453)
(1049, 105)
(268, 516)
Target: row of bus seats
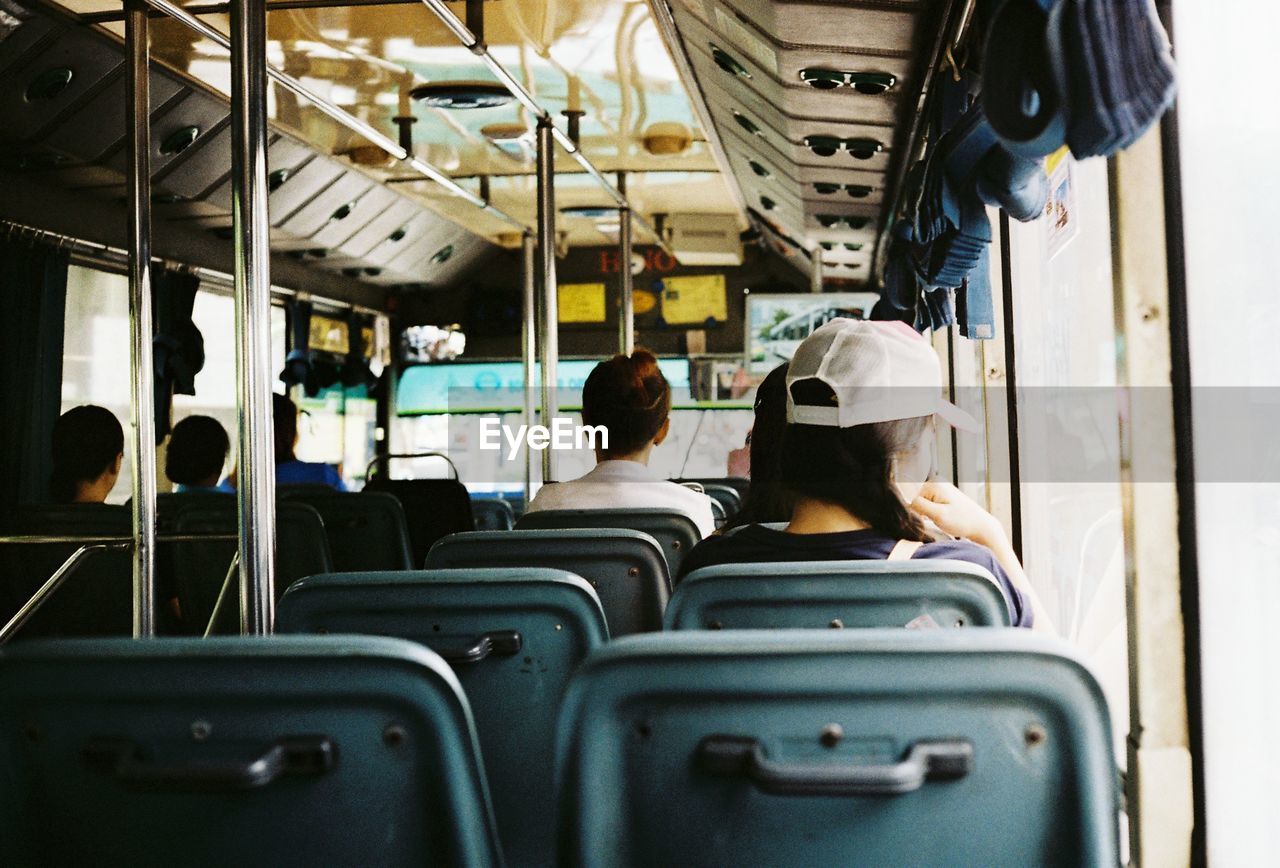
(629, 556)
(690, 747)
(687, 746)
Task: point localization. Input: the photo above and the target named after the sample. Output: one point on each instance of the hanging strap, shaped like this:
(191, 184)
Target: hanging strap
(904, 550)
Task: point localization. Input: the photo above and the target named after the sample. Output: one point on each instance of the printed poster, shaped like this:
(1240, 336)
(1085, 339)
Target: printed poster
(694, 300)
(1060, 215)
(581, 302)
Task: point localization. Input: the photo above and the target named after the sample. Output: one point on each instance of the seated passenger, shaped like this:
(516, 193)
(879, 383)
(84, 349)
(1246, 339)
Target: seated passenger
(289, 470)
(767, 500)
(857, 455)
(630, 398)
(87, 451)
(196, 454)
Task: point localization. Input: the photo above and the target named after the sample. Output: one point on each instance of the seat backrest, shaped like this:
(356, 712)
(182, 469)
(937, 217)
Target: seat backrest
(433, 508)
(97, 599)
(286, 750)
(200, 568)
(725, 495)
(737, 483)
(513, 636)
(673, 530)
(856, 594)
(366, 529)
(493, 513)
(836, 747)
(625, 567)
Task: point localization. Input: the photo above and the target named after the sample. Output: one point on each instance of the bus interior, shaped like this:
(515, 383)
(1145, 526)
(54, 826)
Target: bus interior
(425, 223)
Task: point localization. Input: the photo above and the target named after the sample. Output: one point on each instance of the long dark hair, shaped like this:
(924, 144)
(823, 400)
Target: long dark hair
(852, 467)
(767, 499)
(630, 397)
(86, 442)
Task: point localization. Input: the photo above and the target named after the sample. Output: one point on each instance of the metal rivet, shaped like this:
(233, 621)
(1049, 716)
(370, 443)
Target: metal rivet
(394, 735)
(559, 628)
(201, 730)
(836, 624)
(831, 735)
(675, 543)
(1035, 735)
(959, 622)
(633, 572)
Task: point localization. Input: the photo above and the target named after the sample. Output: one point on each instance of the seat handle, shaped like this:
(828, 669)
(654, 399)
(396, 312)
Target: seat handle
(503, 643)
(925, 760)
(292, 755)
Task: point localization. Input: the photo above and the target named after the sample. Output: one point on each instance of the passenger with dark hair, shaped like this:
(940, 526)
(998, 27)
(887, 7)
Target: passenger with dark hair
(630, 398)
(289, 470)
(767, 500)
(87, 451)
(858, 454)
(197, 452)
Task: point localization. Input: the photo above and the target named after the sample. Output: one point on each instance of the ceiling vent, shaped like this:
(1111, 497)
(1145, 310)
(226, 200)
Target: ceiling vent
(705, 239)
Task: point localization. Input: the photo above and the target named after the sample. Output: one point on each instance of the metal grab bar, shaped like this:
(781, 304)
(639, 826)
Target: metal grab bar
(47, 590)
(222, 596)
(47, 539)
(382, 459)
(477, 47)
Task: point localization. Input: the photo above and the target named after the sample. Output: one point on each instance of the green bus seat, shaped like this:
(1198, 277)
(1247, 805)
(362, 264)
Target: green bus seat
(725, 495)
(625, 567)
(493, 513)
(513, 637)
(433, 508)
(200, 568)
(855, 594)
(290, 750)
(674, 531)
(97, 599)
(366, 529)
(836, 747)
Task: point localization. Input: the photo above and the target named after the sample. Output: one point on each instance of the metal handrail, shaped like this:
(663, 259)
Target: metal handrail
(222, 596)
(335, 113)
(526, 99)
(51, 585)
(382, 459)
(43, 539)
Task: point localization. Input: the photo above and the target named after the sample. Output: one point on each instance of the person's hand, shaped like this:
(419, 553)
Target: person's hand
(956, 513)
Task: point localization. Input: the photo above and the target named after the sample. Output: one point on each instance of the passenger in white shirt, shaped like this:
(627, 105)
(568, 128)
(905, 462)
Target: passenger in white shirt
(630, 397)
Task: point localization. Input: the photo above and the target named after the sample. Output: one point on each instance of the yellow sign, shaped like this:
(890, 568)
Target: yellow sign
(690, 300)
(581, 302)
(329, 335)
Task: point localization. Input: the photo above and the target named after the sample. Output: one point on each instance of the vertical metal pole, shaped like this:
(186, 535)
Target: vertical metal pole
(256, 466)
(627, 317)
(143, 447)
(550, 347)
(529, 350)
(815, 273)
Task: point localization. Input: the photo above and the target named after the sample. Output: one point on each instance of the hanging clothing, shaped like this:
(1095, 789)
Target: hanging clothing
(33, 295)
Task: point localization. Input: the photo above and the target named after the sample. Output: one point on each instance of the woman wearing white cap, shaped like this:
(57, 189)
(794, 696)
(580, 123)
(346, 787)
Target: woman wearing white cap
(857, 454)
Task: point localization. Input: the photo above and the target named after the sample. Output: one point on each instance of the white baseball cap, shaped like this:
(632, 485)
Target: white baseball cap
(878, 372)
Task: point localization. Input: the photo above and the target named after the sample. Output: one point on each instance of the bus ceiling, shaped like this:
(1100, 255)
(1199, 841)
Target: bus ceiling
(403, 141)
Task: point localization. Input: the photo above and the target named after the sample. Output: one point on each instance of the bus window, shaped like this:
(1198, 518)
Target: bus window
(1063, 331)
(96, 364)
